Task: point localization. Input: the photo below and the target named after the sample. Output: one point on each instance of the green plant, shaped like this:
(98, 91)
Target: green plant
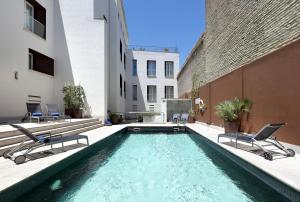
(195, 85)
(192, 113)
(74, 96)
(231, 110)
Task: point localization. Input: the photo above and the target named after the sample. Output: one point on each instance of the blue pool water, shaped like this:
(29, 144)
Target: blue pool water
(154, 167)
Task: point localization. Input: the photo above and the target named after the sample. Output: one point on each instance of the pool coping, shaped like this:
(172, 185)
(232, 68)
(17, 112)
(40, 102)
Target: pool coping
(28, 183)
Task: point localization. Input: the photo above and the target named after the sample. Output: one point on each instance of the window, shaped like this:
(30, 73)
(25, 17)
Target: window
(41, 63)
(121, 81)
(169, 69)
(151, 68)
(121, 50)
(124, 61)
(125, 89)
(28, 16)
(35, 18)
(30, 61)
(151, 93)
(134, 67)
(134, 92)
(134, 108)
(169, 92)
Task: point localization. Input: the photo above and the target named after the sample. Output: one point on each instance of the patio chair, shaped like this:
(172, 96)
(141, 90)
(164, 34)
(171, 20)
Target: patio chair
(176, 118)
(264, 135)
(184, 118)
(53, 111)
(38, 141)
(34, 111)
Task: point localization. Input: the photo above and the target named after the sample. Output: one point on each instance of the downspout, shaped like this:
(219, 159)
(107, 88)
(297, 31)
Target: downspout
(108, 63)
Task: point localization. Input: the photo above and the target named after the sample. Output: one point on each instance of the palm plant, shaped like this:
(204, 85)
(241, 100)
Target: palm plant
(231, 111)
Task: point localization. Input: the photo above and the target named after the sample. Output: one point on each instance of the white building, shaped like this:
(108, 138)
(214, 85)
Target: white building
(151, 77)
(45, 44)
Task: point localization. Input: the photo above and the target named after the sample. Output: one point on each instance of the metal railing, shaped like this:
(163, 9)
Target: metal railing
(36, 27)
(154, 48)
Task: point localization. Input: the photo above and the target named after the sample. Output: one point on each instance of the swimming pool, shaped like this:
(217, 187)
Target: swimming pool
(153, 167)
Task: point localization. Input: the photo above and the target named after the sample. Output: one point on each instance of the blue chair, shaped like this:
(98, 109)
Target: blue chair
(53, 111)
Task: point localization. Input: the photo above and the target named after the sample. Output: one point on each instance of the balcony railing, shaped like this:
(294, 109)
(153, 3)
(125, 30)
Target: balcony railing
(154, 49)
(36, 27)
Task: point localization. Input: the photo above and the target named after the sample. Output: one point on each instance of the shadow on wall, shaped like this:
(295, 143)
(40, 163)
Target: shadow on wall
(141, 103)
(63, 67)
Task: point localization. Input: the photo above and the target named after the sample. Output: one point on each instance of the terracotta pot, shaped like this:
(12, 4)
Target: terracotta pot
(114, 118)
(232, 127)
(74, 113)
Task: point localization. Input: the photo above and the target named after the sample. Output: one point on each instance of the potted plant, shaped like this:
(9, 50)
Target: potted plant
(191, 118)
(74, 100)
(231, 112)
(114, 118)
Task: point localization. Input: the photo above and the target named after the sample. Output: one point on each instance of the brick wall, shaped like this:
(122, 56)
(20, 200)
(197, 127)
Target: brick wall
(250, 50)
(195, 65)
(239, 32)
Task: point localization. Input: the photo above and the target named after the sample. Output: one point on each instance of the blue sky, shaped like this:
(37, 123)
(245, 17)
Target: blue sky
(165, 23)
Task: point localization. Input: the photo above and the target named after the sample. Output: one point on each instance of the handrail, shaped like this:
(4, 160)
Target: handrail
(153, 48)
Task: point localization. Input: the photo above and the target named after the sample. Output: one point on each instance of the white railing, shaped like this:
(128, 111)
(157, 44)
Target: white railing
(35, 26)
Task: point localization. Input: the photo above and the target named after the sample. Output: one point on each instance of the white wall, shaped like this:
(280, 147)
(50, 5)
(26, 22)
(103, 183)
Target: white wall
(86, 50)
(117, 32)
(83, 59)
(141, 80)
(14, 44)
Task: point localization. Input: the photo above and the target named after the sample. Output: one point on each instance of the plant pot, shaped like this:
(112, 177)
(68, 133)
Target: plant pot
(74, 113)
(232, 127)
(114, 118)
(191, 119)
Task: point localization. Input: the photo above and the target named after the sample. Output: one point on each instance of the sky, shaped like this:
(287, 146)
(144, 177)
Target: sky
(165, 23)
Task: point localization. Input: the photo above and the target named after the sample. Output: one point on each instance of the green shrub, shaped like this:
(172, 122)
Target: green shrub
(74, 96)
(232, 110)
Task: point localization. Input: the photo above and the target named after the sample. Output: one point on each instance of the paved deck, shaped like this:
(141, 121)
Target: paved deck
(283, 169)
(11, 173)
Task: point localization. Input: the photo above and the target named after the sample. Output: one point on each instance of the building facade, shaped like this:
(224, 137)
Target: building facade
(250, 49)
(151, 77)
(50, 43)
(47, 44)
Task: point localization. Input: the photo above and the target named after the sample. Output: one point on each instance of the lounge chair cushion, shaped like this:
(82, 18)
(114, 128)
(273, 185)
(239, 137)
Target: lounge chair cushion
(37, 114)
(43, 139)
(54, 114)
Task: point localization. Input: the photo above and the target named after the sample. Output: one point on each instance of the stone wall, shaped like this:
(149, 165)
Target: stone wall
(239, 32)
(194, 65)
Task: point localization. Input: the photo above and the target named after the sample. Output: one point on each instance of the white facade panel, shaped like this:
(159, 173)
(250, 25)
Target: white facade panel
(142, 80)
(84, 38)
(15, 42)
